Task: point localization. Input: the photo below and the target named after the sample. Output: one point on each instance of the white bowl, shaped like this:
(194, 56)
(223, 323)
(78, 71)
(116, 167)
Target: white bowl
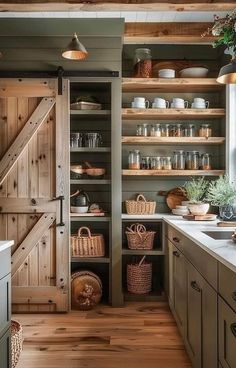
(198, 209)
(183, 208)
(166, 73)
(82, 209)
(180, 212)
(195, 72)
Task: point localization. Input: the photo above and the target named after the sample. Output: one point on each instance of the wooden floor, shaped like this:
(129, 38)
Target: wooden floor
(141, 335)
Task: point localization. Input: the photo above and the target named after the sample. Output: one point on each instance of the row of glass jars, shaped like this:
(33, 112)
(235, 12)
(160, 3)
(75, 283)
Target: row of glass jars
(175, 130)
(181, 160)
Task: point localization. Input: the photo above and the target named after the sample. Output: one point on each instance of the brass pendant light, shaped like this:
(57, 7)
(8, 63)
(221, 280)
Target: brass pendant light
(227, 74)
(75, 50)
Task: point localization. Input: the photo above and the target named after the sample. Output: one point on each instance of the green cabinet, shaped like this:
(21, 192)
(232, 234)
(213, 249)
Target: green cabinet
(5, 350)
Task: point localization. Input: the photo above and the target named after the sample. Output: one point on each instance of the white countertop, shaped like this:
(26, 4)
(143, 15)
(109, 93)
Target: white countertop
(4, 244)
(223, 250)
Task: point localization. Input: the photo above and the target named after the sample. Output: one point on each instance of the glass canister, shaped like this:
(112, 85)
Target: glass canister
(156, 163)
(206, 161)
(167, 165)
(177, 130)
(142, 63)
(134, 160)
(142, 130)
(155, 130)
(145, 163)
(76, 140)
(192, 160)
(178, 161)
(165, 130)
(205, 130)
(190, 130)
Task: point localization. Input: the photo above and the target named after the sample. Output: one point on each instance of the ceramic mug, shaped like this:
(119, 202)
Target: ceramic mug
(160, 103)
(140, 102)
(179, 103)
(204, 105)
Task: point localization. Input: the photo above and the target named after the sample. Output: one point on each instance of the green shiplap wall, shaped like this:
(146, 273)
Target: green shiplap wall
(37, 44)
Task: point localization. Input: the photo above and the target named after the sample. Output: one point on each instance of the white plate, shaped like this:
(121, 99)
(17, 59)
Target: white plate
(180, 212)
(195, 72)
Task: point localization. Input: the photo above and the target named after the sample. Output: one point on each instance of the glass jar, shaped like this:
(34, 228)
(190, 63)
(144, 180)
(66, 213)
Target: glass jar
(205, 130)
(134, 160)
(177, 130)
(145, 163)
(192, 160)
(206, 161)
(155, 163)
(190, 130)
(178, 161)
(165, 130)
(76, 140)
(155, 130)
(142, 130)
(142, 63)
(167, 165)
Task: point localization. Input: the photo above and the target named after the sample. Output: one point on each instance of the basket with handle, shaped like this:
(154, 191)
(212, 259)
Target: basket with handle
(139, 277)
(86, 244)
(16, 342)
(140, 206)
(139, 238)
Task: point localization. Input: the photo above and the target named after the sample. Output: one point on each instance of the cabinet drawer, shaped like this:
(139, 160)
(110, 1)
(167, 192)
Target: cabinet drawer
(175, 237)
(5, 350)
(227, 285)
(227, 335)
(5, 306)
(203, 262)
(5, 262)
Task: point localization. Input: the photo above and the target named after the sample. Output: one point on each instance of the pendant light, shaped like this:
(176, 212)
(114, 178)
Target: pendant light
(75, 50)
(227, 74)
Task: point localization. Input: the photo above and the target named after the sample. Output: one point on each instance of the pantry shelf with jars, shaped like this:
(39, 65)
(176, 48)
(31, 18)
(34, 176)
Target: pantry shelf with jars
(172, 140)
(172, 113)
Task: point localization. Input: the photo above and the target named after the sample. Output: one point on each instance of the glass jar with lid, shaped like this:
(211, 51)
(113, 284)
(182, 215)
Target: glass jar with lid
(205, 130)
(142, 130)
(156, 163)
(155, 130)
(145, 163)
(142, 63)
(206, 161)
(165, 130)
(178, 161)
(192, 160)
(167, 165)
(177, 130)
(134, 160)
(189, 130)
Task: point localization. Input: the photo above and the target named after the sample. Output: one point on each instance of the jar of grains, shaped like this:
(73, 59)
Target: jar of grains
(165, 130)
(189, 130)
(178, 161)
(192, 160)
(156, 163)
(167, 163)
(206, 161)
(134, 160)
(155, 130)
(205, 130)
(142, 63)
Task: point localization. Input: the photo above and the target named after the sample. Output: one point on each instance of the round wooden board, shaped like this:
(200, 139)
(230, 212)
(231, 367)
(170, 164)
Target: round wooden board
(174, 197)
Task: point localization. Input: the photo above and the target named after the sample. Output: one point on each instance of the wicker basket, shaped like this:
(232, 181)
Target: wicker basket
(16, 342)
(139, 277)
(141, 206)
(139, 238)
(86, 290)
(87, 245)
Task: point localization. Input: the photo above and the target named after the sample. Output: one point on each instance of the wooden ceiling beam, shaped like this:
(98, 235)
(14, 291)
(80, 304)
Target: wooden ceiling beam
(158, 33)
(115, 5)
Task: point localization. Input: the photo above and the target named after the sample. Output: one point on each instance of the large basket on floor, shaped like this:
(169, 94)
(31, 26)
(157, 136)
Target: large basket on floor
(87, 244)
(86, 290)
(16, 342)
(140, 206)
(139, 238)
(139, 277)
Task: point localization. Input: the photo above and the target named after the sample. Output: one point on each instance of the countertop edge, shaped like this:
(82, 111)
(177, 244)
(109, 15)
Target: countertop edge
(4, 244)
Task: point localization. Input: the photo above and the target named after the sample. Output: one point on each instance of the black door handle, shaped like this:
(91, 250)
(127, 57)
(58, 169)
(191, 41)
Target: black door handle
(176, 254)
(61, 199)
(233, 328)
(195, 286)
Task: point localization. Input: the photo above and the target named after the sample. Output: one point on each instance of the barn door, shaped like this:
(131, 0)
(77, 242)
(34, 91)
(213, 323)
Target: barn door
(34, 152)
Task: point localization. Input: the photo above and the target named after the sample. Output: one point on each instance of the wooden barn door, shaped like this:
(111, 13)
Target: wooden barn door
(34, 179)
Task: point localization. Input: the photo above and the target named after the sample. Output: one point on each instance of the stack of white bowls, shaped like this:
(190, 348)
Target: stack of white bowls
(180, 210)
(166, 73)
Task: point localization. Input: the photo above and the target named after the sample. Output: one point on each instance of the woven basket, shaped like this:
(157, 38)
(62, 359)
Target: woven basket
(86, 290)
(139, 277)
(141, 206)
(87, 245)
(16, 342)
(139, 238)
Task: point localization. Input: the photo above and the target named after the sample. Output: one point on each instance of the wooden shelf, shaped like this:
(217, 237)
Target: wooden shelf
(165, 114)
(90, 260)
(151, 297)
(154, 85)
(90, 112)
(172, 172)
(90, 181)
(92, 150)
(75, 218)
(142, 252)
(173, 140)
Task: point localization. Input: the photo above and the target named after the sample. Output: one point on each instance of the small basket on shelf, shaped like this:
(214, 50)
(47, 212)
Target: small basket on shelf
(87, 244)
(140, 206)
(139, 277)
(16, 342)
(139, 238)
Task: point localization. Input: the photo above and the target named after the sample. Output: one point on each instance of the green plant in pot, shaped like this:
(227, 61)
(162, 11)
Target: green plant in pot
(195, 192)
(222, 193)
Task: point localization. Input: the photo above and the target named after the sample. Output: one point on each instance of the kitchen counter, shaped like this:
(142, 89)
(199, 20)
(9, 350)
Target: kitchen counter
(4, 244)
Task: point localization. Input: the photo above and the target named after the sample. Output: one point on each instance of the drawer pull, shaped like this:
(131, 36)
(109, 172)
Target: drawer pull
(233, 328)
(234, 295)
(176, 254)
(195, 286)
(176, 240)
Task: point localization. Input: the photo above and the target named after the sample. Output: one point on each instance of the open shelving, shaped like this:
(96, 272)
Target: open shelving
(172, 172)
(171, 113)
(173, 140)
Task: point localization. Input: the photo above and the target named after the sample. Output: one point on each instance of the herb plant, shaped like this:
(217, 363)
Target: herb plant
(221, 192)
(196, 190)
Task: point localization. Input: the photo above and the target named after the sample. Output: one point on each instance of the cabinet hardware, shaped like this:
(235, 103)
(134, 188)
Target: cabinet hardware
(176, 254)
(176, 240)
(195, 286)
(234, 295)
(233, 328)
(61, 199)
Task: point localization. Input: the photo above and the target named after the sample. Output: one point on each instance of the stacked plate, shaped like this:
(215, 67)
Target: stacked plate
(180, 210)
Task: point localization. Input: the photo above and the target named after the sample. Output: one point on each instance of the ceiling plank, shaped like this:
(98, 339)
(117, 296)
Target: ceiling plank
(115, 5)
(157, 33)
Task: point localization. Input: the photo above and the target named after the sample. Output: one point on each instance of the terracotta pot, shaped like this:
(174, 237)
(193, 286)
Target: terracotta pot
(198, 209)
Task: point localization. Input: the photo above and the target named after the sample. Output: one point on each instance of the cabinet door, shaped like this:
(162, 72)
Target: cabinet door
(201, 327)
(5, 350)
(5, 306)
(227, 335)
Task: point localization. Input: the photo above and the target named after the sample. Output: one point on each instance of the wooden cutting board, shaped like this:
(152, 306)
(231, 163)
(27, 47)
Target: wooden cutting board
(226, 224)
(207, 217)
(174, 197)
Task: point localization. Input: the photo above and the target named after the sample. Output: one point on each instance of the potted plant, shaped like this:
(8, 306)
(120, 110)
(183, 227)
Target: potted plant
(195, 192)
(222, 193)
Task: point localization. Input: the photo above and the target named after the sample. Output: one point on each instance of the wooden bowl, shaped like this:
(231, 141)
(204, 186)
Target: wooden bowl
(95, 171)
